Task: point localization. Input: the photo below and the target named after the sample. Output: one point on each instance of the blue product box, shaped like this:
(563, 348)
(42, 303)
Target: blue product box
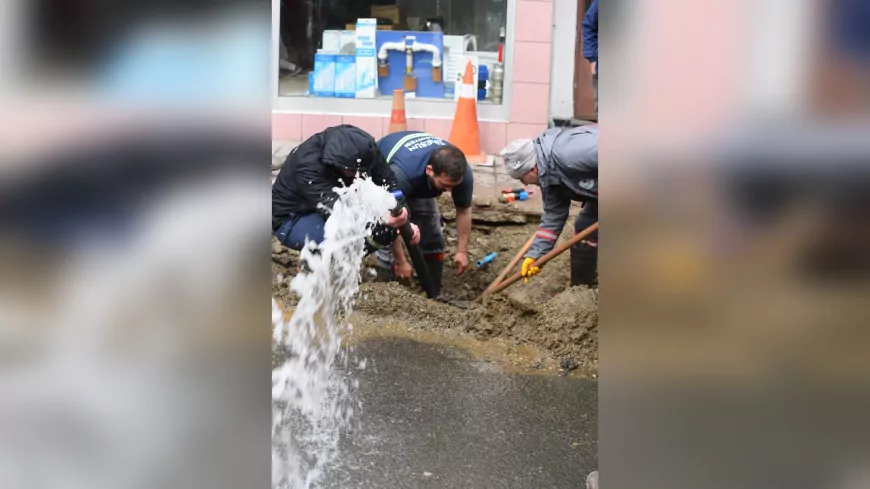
(345, 76)
(324, 75)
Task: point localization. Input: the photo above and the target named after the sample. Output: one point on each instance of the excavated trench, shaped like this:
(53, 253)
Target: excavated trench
(530, 327)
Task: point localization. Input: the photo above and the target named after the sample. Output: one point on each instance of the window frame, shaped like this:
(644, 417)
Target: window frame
(381, 107)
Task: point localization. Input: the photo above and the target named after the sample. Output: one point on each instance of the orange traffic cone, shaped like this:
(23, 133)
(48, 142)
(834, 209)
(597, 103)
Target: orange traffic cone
(465, 134)
(397, 117)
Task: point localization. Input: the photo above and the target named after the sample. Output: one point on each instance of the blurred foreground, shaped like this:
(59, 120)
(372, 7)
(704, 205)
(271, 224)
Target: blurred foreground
(133, 224)
(735, 258)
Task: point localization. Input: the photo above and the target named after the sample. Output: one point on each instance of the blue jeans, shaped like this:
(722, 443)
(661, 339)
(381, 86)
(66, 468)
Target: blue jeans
(295, 230)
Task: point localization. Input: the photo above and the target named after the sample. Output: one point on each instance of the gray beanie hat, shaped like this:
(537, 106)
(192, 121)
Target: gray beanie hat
(520, 157)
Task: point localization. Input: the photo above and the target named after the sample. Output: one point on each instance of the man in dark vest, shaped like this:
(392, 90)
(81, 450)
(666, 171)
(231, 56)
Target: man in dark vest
(425, 166)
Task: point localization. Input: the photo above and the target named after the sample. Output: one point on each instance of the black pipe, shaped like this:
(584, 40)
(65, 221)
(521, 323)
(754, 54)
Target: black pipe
(414, 250)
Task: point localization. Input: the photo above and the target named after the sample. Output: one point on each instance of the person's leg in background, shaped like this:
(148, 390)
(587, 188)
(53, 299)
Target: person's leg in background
(386, 262)
(584, 255)
(425, 214)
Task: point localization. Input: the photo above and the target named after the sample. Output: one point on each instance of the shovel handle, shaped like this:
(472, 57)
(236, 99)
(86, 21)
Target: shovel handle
(507, 269)
(549, 256)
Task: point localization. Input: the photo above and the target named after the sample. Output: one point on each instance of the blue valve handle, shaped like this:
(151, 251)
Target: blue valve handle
(400, 197)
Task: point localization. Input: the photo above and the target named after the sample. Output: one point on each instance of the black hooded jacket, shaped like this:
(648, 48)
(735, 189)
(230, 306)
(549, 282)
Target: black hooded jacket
(314, 167)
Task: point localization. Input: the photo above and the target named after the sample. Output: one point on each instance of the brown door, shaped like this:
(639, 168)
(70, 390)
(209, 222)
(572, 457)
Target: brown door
(584, 94)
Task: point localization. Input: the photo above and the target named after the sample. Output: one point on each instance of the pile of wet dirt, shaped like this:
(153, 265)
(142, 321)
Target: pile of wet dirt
(564, 326)
(545, 313)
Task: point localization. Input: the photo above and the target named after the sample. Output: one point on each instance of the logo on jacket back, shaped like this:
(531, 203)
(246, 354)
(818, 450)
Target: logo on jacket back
(423, 141)
(587, 183)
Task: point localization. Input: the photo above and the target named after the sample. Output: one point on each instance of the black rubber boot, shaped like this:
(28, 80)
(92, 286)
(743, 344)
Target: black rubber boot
(584, 265)
(436, 271)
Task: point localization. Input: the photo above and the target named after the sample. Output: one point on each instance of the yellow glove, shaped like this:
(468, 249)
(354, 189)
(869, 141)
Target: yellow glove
(528, 269)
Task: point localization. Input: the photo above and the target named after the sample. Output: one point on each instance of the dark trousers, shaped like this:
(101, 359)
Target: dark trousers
(296, 230)
(425, 214)
(584, 255)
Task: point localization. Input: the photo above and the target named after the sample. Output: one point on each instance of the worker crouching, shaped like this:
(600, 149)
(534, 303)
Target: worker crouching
(426, 166)
(564, 164)
(303, 195)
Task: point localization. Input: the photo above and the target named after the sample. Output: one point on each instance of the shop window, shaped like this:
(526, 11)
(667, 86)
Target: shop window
(362, 48)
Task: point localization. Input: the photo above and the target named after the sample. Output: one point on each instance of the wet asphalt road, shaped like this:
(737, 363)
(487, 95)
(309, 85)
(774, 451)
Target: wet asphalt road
(435, 418)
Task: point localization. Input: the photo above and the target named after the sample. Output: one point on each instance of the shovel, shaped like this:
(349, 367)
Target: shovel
(500, 283)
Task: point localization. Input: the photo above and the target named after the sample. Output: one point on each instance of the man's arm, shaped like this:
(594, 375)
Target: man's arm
(463, 195)
(463, 228)
(401, 183)
(556, 208)
(399, 252)
(590, 33)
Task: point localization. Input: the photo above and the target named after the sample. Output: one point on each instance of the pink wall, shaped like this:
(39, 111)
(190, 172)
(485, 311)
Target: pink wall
(529, 105)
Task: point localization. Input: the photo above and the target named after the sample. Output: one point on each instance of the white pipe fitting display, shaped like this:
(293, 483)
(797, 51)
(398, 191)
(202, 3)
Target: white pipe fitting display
(429, 48)
(416, 47)
(390, 46)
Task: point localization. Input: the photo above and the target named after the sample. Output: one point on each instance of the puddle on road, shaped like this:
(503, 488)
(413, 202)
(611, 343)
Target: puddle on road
(495, 355)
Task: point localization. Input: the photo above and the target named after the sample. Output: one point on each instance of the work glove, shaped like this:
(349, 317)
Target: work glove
(528, 270)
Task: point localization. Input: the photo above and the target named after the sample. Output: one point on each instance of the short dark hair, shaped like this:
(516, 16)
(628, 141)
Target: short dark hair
(448, 160)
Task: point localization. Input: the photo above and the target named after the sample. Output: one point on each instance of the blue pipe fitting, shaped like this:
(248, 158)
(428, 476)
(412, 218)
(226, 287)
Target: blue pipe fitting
(486, 260)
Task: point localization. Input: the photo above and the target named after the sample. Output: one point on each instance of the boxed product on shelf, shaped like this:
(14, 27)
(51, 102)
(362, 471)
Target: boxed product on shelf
(366, 58)
(324, 75)
(345, 76)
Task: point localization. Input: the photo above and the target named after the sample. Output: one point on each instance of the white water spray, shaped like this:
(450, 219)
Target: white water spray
(311, 402)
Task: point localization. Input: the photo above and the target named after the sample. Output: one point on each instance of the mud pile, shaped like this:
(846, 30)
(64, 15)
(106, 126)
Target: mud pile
(545, 313)
(564, 326)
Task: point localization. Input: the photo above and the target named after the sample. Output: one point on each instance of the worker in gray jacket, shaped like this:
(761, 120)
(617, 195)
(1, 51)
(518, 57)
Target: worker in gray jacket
(564, 164)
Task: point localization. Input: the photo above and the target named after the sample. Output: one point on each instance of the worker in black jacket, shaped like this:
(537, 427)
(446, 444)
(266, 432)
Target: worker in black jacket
(327, 160)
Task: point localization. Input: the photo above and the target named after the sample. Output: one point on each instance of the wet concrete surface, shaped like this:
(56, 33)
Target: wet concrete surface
(435, 417)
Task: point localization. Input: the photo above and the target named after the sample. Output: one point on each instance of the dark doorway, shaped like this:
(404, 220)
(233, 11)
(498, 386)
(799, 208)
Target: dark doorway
(584, 94)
